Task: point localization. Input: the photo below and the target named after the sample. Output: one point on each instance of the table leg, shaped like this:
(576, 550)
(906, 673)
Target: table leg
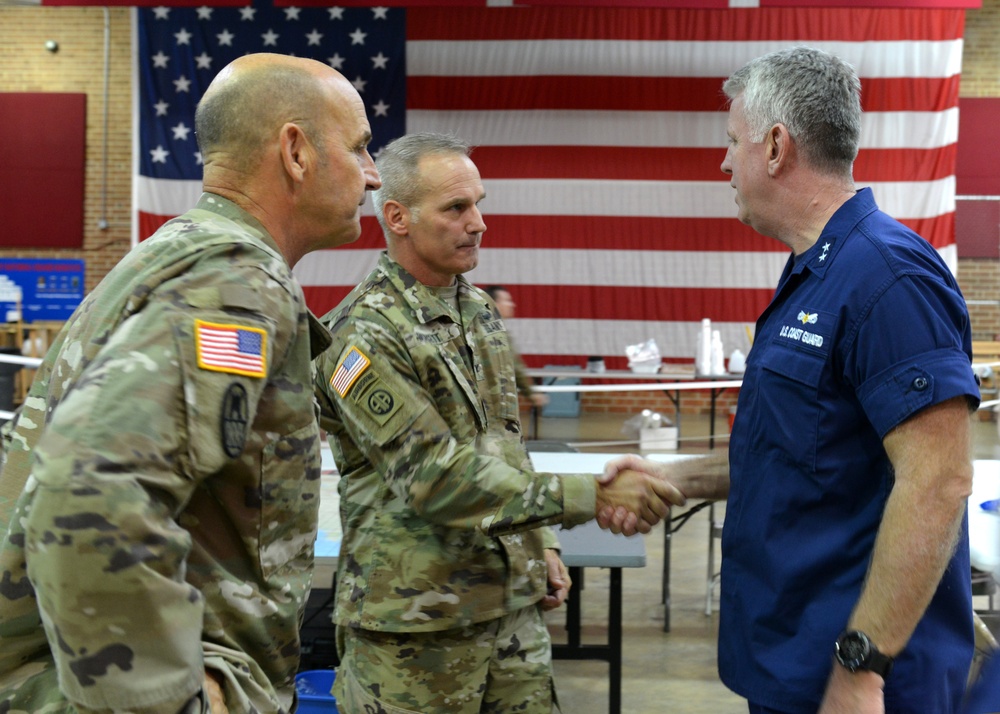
(610, 652)
(709, 585)
(675, 398)
(665, 588)
(713, 532)
(615, 642)
(711, 425)
(573, 608)
(711, 418)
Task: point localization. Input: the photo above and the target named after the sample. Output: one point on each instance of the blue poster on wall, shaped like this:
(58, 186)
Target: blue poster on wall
(35, 290)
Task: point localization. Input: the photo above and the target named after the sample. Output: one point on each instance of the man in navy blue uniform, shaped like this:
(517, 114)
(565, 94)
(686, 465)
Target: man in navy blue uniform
(845, 575)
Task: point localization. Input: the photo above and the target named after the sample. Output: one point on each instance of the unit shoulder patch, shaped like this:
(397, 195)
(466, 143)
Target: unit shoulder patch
(381, 403)
(235, 420)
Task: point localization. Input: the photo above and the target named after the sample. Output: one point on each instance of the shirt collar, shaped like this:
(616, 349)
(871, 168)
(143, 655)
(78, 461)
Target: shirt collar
(425, 303)
(215, 203)
(835, 233)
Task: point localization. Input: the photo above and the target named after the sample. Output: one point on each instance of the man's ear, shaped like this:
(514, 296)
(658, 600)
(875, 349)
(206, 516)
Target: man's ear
(779, 148)
(397, 217)
(296, 151)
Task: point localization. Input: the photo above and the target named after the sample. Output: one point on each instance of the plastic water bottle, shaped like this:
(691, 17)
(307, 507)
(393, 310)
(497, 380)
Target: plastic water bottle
(703, 361)
(737, 362)
(718, 363)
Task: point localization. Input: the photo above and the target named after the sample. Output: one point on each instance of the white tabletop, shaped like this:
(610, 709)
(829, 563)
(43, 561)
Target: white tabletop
(588, 545)
(598, 546)
(585, 546)
(672, 381)
(561, 462)
(984, 527)
(565, 373)
(329, 534)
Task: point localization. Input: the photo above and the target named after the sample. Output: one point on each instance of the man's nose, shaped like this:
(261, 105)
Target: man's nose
(372, 180)
(477, 225)
(727, 165)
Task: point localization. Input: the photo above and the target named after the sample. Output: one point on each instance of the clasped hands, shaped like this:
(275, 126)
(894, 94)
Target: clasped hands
(633, 495)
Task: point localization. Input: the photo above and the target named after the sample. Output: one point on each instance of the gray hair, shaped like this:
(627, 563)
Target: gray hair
(398, 166)
(815, 95)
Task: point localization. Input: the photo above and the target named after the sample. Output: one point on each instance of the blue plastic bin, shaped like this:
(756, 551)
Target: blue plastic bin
(313, 688)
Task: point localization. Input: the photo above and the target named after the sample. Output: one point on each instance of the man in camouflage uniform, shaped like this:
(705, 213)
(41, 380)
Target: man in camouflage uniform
(161, 551)
(445, 563)
(525, 386)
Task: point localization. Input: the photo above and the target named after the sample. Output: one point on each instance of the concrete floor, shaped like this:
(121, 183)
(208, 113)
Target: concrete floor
(673, 671)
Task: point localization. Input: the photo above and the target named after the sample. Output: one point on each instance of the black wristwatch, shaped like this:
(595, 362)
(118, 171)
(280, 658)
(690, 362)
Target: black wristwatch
(856, 652)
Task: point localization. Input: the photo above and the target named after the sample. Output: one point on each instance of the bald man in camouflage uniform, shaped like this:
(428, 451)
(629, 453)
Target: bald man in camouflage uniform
(161, 552)
(445, 563)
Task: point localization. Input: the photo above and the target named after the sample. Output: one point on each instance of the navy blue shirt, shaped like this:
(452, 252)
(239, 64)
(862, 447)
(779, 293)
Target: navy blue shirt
(866, 328)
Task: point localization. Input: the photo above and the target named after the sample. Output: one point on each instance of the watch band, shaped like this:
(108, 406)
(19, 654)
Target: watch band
(854, 651)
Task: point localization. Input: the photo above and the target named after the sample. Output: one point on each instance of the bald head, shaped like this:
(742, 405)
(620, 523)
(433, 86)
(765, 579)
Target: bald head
(252, 97)
(286, 139)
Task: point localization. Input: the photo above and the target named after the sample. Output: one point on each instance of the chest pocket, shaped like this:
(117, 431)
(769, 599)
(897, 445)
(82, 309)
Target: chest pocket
(498, 359)
(788, 403)
(458, 399)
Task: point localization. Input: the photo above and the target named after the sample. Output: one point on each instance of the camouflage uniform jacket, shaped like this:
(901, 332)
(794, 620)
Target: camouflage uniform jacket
(171, 496)
(441, 512)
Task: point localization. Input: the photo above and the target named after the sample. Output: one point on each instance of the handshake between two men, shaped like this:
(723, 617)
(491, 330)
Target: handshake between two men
(633, 495)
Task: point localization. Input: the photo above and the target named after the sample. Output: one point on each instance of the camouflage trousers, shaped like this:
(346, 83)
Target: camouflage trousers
(33, 688)
(494, 667)
(40, 694)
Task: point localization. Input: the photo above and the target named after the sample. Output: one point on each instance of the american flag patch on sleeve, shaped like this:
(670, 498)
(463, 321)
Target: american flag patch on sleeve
(350, 368)
(235, 349)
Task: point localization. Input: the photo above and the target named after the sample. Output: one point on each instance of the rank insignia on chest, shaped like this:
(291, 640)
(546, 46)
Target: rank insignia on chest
(352, 365)
(235, 349)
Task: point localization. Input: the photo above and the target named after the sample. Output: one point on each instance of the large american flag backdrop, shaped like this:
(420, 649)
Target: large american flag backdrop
(599, 134)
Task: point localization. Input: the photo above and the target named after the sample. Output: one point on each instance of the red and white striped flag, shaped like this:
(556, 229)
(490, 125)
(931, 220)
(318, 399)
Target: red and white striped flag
(600, 131)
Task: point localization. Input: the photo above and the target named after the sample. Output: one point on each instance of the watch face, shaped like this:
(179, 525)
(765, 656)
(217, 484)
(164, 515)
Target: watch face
(853, 650)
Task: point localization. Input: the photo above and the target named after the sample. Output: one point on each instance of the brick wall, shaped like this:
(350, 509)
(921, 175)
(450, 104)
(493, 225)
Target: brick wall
(627, 403)
(78, 66)
(978, 277)
(981, 54)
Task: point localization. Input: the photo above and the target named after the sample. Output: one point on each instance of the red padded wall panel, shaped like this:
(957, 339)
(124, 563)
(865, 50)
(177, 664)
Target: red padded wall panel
(42, 155)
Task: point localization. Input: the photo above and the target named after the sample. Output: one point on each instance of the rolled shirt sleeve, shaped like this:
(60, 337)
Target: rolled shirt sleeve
(920, 361)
